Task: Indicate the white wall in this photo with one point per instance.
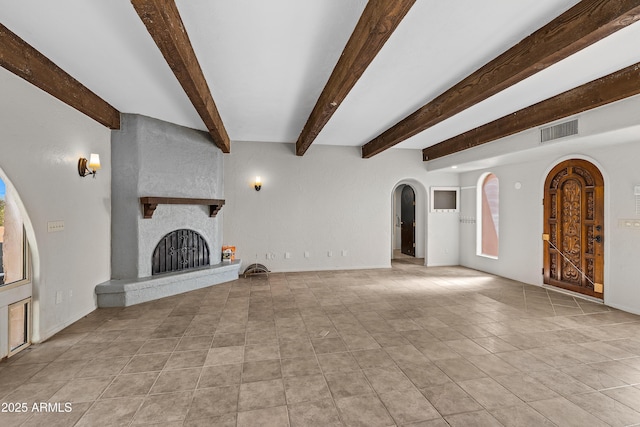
(328, 200)
(41, 140)
(617, 154)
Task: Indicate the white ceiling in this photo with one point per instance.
(266, 62)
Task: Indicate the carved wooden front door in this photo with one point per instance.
(408, 224)
(574, 228)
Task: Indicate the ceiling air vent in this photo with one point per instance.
(558, 131)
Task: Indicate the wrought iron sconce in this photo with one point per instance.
(92, 168)
(258, 183)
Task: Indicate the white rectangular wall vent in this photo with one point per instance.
(560, 130)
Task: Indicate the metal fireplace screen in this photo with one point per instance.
(180, 250)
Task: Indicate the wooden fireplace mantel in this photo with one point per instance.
(149, 204)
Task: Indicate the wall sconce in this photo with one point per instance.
(258, 184)
(94, 165)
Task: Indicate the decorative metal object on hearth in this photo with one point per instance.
(180, 250)
(254, 269)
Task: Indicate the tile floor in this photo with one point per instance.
(407, 346)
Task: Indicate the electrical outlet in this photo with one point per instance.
(330, 254)
(267, 255)
(55, 226)
(58, 297)
(306, 254)
(287, 255)
(344, 252)
(629, 223)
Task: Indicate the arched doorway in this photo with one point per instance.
(420, 249)
(408, 221)
(574, 228)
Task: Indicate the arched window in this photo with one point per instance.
(14, 273)
(488, 215)
(12, 241)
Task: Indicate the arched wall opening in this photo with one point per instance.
(420, 217)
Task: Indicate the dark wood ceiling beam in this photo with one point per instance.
(613, 87)
(378, 21)
(162, 19)
(23, 60)
(584, 24)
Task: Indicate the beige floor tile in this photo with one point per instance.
(437, 351)
(131, 385)
(146, 363)
(164, 408)
(475, 419)
(489, 393)
(226, 420)
(406, 354)
(267, 417)
(337, 362)
(186, 359)
(524, 361)
(390, 339)
(346, 384)
(376, 358)
(224, 356)
(213, 402)
(408, 406)
(520, 416)
(425, 375)
(59, 371)
(258, 352)
(328, 345)
(593, 377)
(300, 367)
(492, 365)
(459, 369)
(438, 422)
(363, 411)
(526, 387)
(261, 371)
(220, 375)
(606, 409)
(560, 382)
(630, 396)
(176, 380)
(466, 347)
(103, 367)
(30, 393)
(198, 342)
(261, 394)
(388, 379)
(450, 399)
(298, 348)
(163, 345)
(227, 340)
(320, 413)
(82, 390)
(306, 388)
(564, 413)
